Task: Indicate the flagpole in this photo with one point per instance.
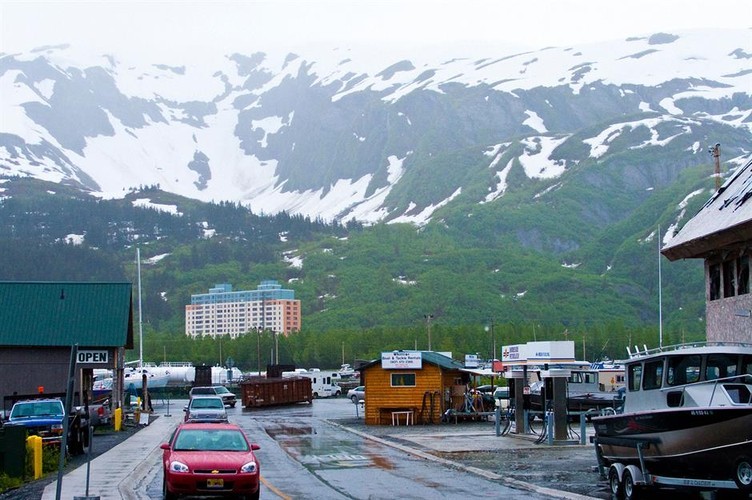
(660, 293)
(140, 319)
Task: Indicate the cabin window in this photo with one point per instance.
(653, 376)
(746, 368)
(720, 366)
(403, 380)
(742, 273)
(683, 370)
(729, 278)
(714, 281)
(635, 377)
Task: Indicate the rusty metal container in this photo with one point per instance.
(259, 391)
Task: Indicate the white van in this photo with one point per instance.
(323, 383)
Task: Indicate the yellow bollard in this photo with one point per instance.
(118, 418)
(34, 446)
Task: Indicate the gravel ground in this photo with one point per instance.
(102, 442)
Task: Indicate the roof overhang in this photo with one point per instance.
(703, 246)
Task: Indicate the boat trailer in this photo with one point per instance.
(626, 481)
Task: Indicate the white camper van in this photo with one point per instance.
(323, 383)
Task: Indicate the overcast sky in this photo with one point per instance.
(158, 27)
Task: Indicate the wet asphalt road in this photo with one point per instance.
(304, 456)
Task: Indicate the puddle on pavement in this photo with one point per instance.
(320, 450)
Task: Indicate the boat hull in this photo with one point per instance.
(691, 442)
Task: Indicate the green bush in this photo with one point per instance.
(50, 459)
(7, 482)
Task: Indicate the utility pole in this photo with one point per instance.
(428, 317)
(716, 152)
(490, 328)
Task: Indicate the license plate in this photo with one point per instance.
(215, 483)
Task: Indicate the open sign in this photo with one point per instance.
(102, 356)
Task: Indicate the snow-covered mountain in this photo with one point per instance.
(370, 134)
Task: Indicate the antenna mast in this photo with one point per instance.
(716, 152)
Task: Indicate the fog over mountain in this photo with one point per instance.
(376, 135)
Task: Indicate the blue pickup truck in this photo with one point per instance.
(44, 417)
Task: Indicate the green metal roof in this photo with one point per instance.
(55, 314)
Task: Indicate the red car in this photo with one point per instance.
(210, 459)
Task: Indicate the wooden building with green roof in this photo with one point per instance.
(41, 321)
(412, 386)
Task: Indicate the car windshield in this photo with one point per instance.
(210, 440)
(221, 390)
(207, 403)
(36, 409)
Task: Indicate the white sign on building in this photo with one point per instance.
(511, 354)
(558, 351)
(400, 360)
(535, 353)
(472, 361)
(100, 356)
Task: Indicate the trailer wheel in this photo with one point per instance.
(613, 483)
(743, 473)
(628, 486)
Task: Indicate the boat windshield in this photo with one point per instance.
(684, 369)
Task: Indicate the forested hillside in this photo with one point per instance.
(526, 270)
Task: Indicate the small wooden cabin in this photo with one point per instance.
(415, 385)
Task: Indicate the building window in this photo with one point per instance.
(729, 279)
(742, 272)
(714, 281)
(403, 380)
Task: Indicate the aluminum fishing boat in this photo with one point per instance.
(687, 416)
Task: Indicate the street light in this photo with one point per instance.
(258, 352)
(276, 348)
(490, 327)
(428, 317)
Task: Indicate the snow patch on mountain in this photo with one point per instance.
(536, 160)
(221, 129)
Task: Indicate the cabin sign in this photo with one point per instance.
(401, 360)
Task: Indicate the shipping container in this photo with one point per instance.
(260, 391)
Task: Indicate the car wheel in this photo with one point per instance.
(315, 395)
(166, 494)
(232, 405)
(354, 399)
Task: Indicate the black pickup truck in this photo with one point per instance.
(44, 417)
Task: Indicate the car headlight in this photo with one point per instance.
(249, 468)
(178, 467)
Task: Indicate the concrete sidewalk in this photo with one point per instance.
(109, 475)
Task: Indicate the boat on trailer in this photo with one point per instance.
(686, 421)
(591, 388)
